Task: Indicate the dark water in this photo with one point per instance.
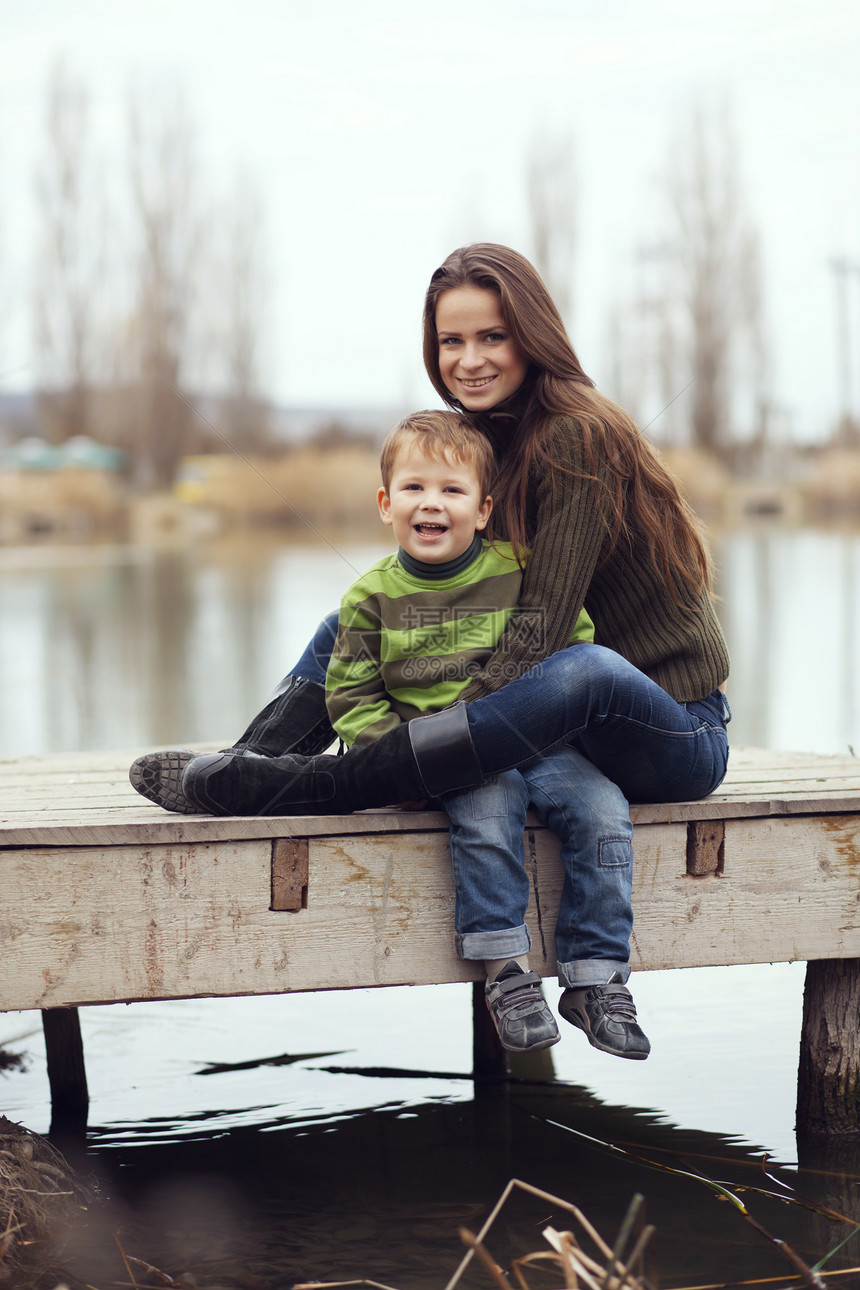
(381, 1194)
(242, 1139)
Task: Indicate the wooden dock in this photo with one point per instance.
(106, 898)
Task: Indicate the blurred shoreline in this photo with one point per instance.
(313, 488)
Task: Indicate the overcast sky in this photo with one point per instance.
(384, 134)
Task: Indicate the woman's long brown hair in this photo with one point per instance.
(633, 488)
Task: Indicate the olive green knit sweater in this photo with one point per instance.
(676, 642)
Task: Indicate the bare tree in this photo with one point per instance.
(552, 194)
(643, 359)
(160, 336)
(713, 279)
(70, 261)
(127, 336)
(758, 358)
(244, 415)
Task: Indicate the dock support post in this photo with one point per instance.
(828, 1082)
(489, 1059)
(67, 1077)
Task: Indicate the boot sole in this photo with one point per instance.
(158, 777)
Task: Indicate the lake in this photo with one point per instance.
(331, 1136)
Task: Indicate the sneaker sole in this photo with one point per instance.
(531, 1048)
(603, 1048)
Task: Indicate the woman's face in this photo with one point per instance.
(478, 360)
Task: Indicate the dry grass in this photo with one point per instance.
(702, 479)
(832, 488)
(40, 1197)
(71, 502)
(336, 486)
(313, 489)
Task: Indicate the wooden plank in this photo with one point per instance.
(137, 923)
(179, 920)
(147, 824)
(86, 800)
(788, 891)
(57, 823)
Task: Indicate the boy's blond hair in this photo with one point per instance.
(443, 435)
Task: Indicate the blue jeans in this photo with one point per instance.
(590, 816)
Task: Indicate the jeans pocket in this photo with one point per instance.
(614, 853)
(712, 711)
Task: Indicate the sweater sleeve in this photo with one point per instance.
(569, 537)
(358, 704)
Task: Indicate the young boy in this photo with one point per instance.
(411, 631)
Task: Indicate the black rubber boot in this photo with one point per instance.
(424, 758)
(295, 720)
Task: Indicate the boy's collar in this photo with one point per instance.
(436, 572)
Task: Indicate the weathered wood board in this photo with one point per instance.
(104, 897)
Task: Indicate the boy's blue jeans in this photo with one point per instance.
(590, 816)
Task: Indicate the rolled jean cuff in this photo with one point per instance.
(581, 972)
(508, 942)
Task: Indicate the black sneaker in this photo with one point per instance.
(607, 1014)
(520, 1013)
(157, 776)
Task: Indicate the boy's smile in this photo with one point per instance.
(434, 505)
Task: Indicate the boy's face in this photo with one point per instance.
(434, 505)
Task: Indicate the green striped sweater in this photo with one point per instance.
(408, 645)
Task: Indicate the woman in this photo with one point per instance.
(584, 491)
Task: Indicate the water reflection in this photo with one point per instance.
(120, 647)
(789, 610)
(128, 647)
(382, 1193)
